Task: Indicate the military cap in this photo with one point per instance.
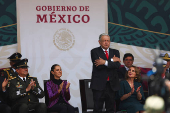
(15, 57)
(165, 56)
(21, 63)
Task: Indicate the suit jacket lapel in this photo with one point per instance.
(125, 69)
(110, 53)
(102, 53)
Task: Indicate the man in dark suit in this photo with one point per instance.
(10, 72)
(24, 91)
(4, 108)
(128, 60)
(104, 81)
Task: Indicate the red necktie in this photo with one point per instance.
(107, 56)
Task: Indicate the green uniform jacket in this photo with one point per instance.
(18, 94)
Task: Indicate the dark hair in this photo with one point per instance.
(52, 69)
(138, 74)
(128, 55)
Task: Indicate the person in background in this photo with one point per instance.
(131, 91)
(4, 107)
(166, 71)
(58, 92)
(128, 60)
(166, 65)
(10, 72)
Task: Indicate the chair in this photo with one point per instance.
(86, 95)
(47, 99)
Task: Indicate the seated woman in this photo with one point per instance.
(131, 91)
(58, 92)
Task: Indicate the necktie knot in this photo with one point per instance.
(24, 79)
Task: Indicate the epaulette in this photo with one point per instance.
(6, 69)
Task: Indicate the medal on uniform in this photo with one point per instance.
(8, 84)
(18, 85)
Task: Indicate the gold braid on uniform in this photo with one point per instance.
(9, 77)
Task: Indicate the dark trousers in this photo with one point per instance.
(62, 108)
(24, 107)
(4, 108)
(107, 95)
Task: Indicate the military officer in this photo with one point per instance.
(10, 72)
(24, 91)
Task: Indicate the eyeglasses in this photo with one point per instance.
(105, 40)
(128, 60)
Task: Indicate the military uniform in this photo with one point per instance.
(8, 73)
(19, 96)
(23, 101)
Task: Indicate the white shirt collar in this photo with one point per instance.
(22, 78)
(126, 68)
(106, 50)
